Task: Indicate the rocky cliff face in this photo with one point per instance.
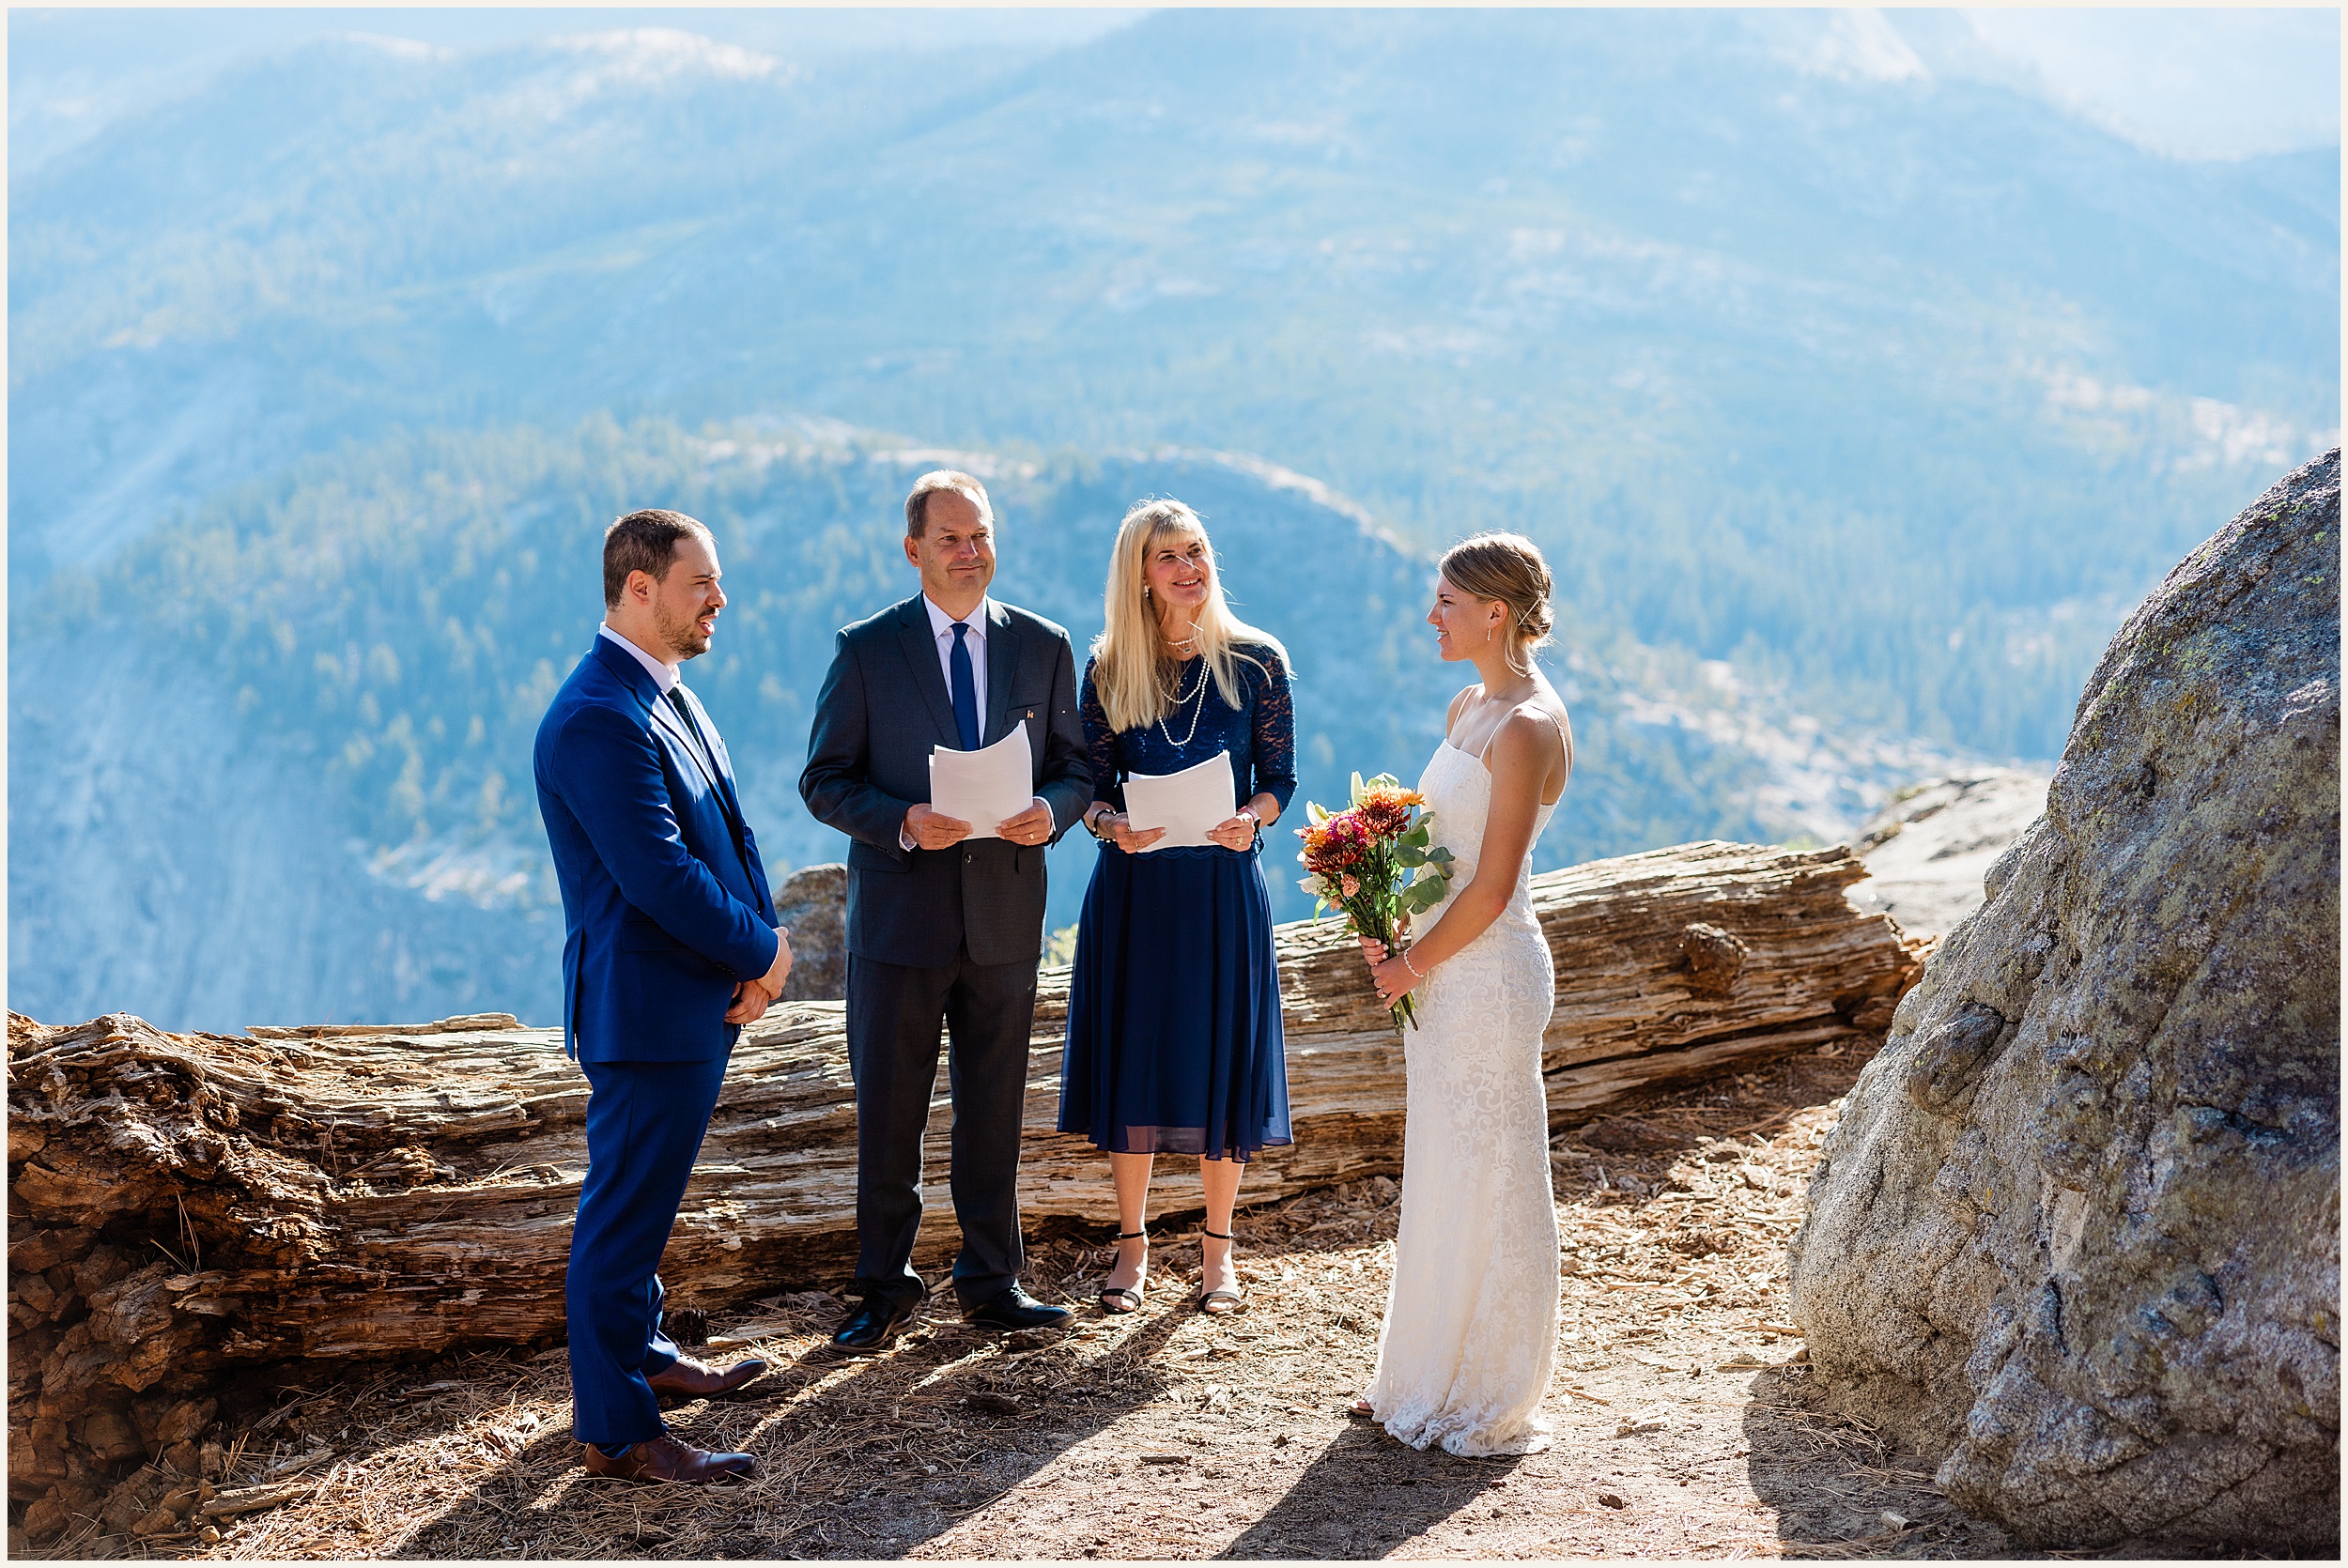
(1931, 846)
(151, 856)
(2077, 1234)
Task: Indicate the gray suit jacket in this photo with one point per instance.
(884, 704)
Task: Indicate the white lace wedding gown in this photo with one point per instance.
(1471, 1329)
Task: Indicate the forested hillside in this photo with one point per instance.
(1741, 320)
(374, 636)
(1855, 397)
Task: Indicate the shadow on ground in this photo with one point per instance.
(890, 1430)
(1366, 1496)
(1843, 1489)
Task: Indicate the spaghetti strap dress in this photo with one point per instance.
(1174, 1043)
(1470, 1334)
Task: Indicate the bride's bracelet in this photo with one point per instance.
(1405, 956)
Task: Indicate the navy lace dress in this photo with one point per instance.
(1174, 1040)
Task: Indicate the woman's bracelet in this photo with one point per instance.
(1405, 956)
(1092, 820)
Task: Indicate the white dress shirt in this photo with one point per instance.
(669, 677)
(664, 676)
(942, 628)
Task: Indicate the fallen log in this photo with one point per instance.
(182, 1204)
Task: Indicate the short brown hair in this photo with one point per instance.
(917, 503)
(642, 542)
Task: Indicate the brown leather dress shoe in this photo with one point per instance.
(688, 1378)
(666, 1459)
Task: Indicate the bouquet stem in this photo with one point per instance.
(1372, 918)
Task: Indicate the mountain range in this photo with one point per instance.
(309, 793)
(1855, 397)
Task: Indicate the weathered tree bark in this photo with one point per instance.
(184, 1204)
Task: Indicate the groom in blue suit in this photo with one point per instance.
(669, 945)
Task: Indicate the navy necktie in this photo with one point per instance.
(965, 689)
(693, 725)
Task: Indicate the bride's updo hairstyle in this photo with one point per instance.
(1508, 567)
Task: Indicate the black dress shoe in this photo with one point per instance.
(1015, 1309)
(874, 1324)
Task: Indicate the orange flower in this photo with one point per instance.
(1340, 843)
(1385, 809)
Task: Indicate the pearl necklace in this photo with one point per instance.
(1198, 691)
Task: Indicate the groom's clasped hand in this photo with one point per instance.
(751, 998)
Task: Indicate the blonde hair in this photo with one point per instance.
(918, 501)
(1134, 668)
(1510, 568)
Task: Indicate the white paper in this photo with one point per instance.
(985, 787)
(1185, 804)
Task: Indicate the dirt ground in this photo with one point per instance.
(1686, 1425)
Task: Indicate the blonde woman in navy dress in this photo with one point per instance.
(1174, 1006)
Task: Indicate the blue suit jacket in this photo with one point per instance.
(664, 905)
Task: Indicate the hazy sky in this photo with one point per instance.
(2197, 82)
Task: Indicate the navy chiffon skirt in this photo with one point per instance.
(1174, 1040)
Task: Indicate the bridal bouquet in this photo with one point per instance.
(1371, 860)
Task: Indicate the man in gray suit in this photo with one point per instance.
(944, 931)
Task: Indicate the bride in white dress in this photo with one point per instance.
(1471, 1328)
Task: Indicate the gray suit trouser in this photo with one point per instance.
(895, 1017)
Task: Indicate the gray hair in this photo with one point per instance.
(918, 502)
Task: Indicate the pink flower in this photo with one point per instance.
(1337, 843)
(1352, 886)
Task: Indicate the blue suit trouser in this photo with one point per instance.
(644, 1127)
